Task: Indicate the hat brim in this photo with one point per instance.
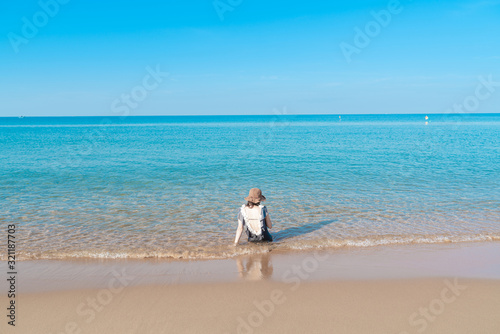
(255, 199)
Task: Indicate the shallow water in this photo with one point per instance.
(171, 186)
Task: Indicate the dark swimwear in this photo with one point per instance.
(253, 237)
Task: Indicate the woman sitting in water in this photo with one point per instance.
(254, 218)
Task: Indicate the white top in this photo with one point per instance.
(253, 219)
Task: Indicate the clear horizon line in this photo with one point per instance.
(288, 114)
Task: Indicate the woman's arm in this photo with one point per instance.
(239, 230)
(268, 222)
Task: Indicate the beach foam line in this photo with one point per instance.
(393, 240)
(229, 251)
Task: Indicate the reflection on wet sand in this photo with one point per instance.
(255, 267)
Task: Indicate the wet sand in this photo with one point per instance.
(426, 289)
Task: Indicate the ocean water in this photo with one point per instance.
(171, 187)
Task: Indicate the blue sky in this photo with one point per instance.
(92, 58)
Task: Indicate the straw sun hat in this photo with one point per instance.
(255, 196)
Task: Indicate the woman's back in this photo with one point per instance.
(253, 215)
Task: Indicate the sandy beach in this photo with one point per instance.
(388, 306)
(366, 291)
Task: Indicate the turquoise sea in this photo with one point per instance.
(135, 187)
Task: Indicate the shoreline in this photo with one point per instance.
(466, 260)
(225, 250)
(403, 290)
